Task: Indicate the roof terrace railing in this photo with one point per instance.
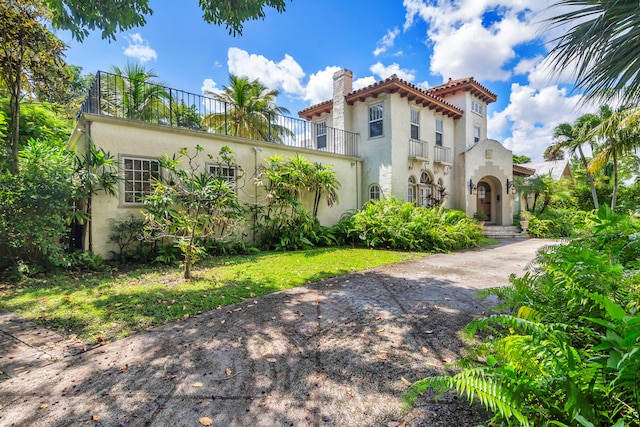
(118, 96)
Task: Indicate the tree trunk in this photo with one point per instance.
(592, 185)
(14, 105)
(614, 193)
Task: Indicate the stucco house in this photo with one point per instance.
(391, 138)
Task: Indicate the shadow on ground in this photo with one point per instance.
(333, 353)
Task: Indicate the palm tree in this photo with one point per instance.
(249, 111)
(602, 46)
(620, 134)
(132, 93)
(573, 136)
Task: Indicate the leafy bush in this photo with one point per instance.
(567, 351)
(554, 223)
(392, 223)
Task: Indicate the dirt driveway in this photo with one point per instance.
(330, 354)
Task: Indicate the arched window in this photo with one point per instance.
(426, 190)
(374, 192)
(411, 192)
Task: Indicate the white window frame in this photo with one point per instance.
(411, 190)
(426, 190)
(376, 118)
(476, 134)
(374, 192)
(476, 107)
(415, 124)
(138, 177)
(439, 132)
(226, 172)
(321, 135)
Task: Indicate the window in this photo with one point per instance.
(321, 134)
(225, 172)
(415, 124)
(375, 120)
(138, 175)
(374, 192)
(439, 132)
(426, 190)
(476, 134)
(411, 193)
(476, 107)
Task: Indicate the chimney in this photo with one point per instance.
(342, 85)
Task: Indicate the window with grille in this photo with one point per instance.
(439, 132)
(415, 124)
(476, 134)
(321, 134)
(139, 173)
(374, 192)
(411, 192)
(476, 107)
(225, 172)
(375, 120)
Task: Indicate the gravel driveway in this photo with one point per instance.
(330, 354)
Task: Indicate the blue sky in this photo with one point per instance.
(501, 43)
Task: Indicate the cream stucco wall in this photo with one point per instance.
(136, 139)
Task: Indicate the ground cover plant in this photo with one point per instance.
(565, 348)
(103, 306)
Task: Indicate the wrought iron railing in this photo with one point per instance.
(442, 154)
(117, 96)
(418, 149)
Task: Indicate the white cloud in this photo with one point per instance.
(285, 75)
(386, 42)
(139, 48)
(209, 86)
(531, 116)
(464, 44)
(385, 71)
(363, 82)
(320, 86)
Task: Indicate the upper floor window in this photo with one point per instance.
(375, 120)
(438, 132)
(476, 134)
(225, 172)
(415, 124)
(138, 176)
(476, 107)
(374, 192)
(321, 134)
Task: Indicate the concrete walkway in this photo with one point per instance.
(335, 353)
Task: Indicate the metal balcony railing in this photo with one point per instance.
(117, 96)
(418, 150)
(442, 155)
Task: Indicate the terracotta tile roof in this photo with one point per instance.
(391, 84)
(522, 171)
(468, 84)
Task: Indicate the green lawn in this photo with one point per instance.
(104, 306)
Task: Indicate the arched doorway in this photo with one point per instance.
(483, 199)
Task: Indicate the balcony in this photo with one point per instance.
(442, 155)
(116, 96)
(418, 150)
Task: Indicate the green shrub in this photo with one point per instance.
(555, 223)
(392, 223)
(567, 351)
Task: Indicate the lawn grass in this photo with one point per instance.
(105, 306)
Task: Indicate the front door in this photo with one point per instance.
(484, 199)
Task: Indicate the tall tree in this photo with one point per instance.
(133, 93)
(250, 111)
(574, 136)
(112, 16)
(620, 135)
(30, 58)
(602, 47)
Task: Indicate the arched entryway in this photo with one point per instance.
(489, 199)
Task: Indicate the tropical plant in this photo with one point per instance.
(574, 136)
(189, 205)
(620, 136)
(600, 47)
(393, 223)
(31, 57)
(250, 111)
(133, 93)
(564, 350)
